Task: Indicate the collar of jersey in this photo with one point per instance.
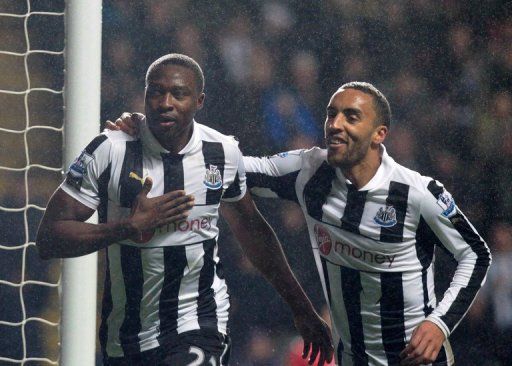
(384, 170)
(151, 144)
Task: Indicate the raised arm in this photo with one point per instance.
(263, 249)
(63, 232)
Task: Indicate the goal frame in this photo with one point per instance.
(81, 124)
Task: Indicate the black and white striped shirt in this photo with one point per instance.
(374, 250)
(173, 282)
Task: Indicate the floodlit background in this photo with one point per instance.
(270, 67)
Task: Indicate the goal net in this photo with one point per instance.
(32, 134)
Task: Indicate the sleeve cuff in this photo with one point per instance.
(440, 324)
(89, 202)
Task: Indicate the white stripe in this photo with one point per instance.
(189, 288)
(193, 176)
(221, 297)
(153, 272)
(115, 319)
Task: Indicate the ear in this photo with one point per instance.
(200, 100)
(379, 134)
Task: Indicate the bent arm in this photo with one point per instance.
(262, 248)
(470, 251)
(63, 233)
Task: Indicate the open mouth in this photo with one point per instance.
(334, 141)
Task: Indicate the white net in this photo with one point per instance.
(31, 109)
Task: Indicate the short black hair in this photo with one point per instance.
(381, 103)
(179, 60)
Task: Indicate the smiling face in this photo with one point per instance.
(352, 132)
(172, 99)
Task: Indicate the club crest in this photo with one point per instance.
(323, 239)
(386, 216)
(212, 178)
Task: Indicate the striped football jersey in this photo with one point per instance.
(374, 250)
(172, 281)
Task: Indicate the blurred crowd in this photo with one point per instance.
(270, 68)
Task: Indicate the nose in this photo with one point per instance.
(167, 102)
(335, 124)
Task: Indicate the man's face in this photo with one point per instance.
(172, 99)
(350, 128)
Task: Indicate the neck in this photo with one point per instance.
(361, 173)
(175, 142)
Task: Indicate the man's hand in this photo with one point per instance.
(426, 341)
(317, 338)
(150, 213)
(128, 123)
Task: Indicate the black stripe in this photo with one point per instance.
(213, 153)
(351, 288)
(466, 295)
(173, 172)
(78, 169)
(95, 143)
(131, 266)
(206, 306)
(435, 188)
(392, 315)
(397, 198)
(106, 307)
(103, 181)
(234, 189)
(354, 209)
(283, 186)
(425, 244)
(132, 163)
(175, 262)
(326, 279)
(317, 189)
(339, 352)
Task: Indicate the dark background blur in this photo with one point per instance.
(270, 68)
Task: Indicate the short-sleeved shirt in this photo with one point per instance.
(171, 281)
(374, 249)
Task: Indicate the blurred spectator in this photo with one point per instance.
(497, 293)
(272, 65)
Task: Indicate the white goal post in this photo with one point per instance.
(82, 115)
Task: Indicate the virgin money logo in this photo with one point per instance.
(323, 239)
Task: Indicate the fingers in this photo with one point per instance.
(148, 184)
(314, 352)
(305, 351)
(111, 126)
(170, 203)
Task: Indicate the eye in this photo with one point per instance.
(331, 113)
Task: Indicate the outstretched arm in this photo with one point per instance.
(263, 249)
(63, 232)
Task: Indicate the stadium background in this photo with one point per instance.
(270, 67)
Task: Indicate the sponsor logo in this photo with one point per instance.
(197, 224)
(364, 255)
(212, 178)
(447, 203)
(283, 155)
(323, 239)
(78, 168)
(386, 216)
(136, 177)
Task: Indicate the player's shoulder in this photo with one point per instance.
(117, 137)
(212, 135)
(419, 184)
